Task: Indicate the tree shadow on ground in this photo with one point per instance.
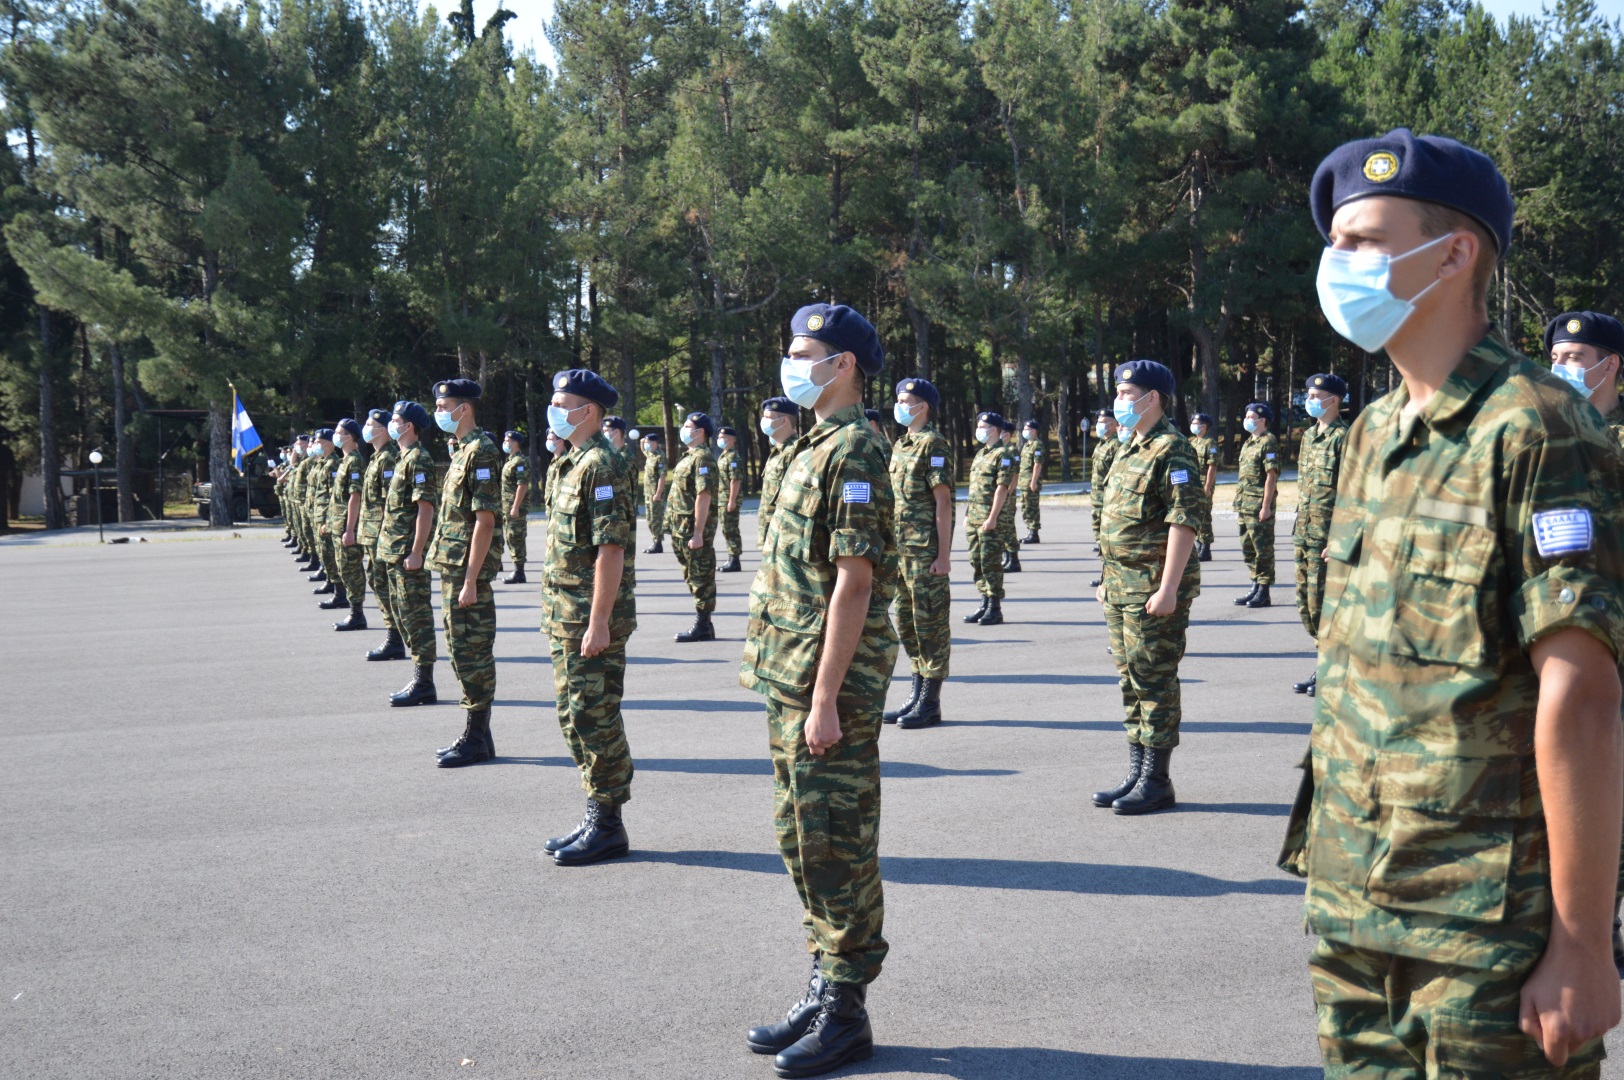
(889, 770)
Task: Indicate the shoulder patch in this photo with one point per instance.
(855, 491)
(519, 469)
(355, 476)
(1269, 457)
(389, 474)
(703, 469)
(937, 462)
(1004, 462)
(602, 492)
(485, 474)
(733, 464)
(418, 479)
(1562, 532)
(1179, 476)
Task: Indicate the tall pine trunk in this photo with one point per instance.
(50, 459)
(124, 452)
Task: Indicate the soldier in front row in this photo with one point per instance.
(1462, 821)
(1319, 464)
(821, 649)
(992, 485)
(403, 544)
(515, 503)
(922, 483)
(380, 473)
(1255, 489)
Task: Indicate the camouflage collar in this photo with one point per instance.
(1449, 405)
(598, 439)
(845, 416)
(929, 428)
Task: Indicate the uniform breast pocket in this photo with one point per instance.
(796, 525)
(1134, 497)
(1437, 599)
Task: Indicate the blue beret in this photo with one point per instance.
(1105, 414)
(352, 427)
(872, 414)
(587, 384)
(1202, 418)
(1586, 328)
(782, 405)
(516, 436)
(1261, 409)
(302, 438)
(1428, 168)
(1331, 384)
(415, 415)
(1148, 375)
(702, 422)
(923, 390)
(617, 423)
(467, 389)
(839, 327)
(1034, 425)
(324, 433)
(378, 416)
(653, 435)
(992, 419)
(725, 430)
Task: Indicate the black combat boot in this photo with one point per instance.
(975, 616)
(1306, 685)
(420, 691)
(393, 648)
(893, 715)
(1136, 761)
(356, 621)
(558, 843)
(701, 630)
(771, 1038)
(1313, 686)
(490, 743)
(340, 599)
(1206, 553)
(319, 575)
(1095, 583)
(656, 548)
(1260, 598)
(475, 745)
(995, 613)
(929, 709)
(602, 840)
(1012, 563)
(1242, 601)
(517, 577)
(1031, 537)
(732, 566)
(839, 1035)
(1153, 790)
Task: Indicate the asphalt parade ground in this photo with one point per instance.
(225, 855)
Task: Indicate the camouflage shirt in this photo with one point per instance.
(772, 475)
(1260, 455)
(348, 473)
(1205, 448)
(1105, 452)
(993, 468)
(319, 485)
(1032, 457)
(1153, 486)
(515, 471)
(592, 504)
(731, 468)
(1319, 462)
(1615, 423)
(653, 469)
(835, 502)
(295, 488)
(414, 481)
(471, 484)
(374, 489)
(919, 462)
(696, 472)
(1463, 533)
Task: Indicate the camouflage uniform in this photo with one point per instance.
(1259, 456)
(1615, 423)
(1105, 452)
(1462, 534)
(653, 470)
(835, 502)
(772, 475)
(1153, 486)
(1205, 448)
(696, 472)
(731, 467)
(318, 493)
(515, 527)
(473, 483)
(1033, 459)
(593, 505)
(919, 462)
(347, 479)
(293, 504)
(1319, 461)
(414, 481)
(993, 468)
(374, 490)
(309, 471)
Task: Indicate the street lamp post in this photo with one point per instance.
(95, 494)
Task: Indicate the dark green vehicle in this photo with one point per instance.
(255, 491)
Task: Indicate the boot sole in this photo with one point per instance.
(915, 726)
(430, 700)
(1148, 808)
(612, 853)
(346, 629)
(444, 764)
(861, 1053)
(390, 656)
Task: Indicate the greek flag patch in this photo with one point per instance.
(1562, 532)
(519, 469)
(1004, 462)
(1180, 476)
(733, 465)
(355, 476)
(703, 469)
(937, 462)
(1269, 457)
(418, 479)
(389, 474)
(607, 491)
(854, 491)
(485, 474)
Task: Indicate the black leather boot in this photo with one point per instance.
(1206, 553)
(656, 548)
(1242, 601)
(732, 566)
(975, 616)
(1313, 686)
(1154, 789)
(356, 621)
(1095, 583)
(1012, 563)
(340, 599)
(600, 841)
(839, 1035)
(1136, 761)
(907, 706)
(517, 577)
(701, 630)
(929, 709)
(475, 745)
(1306, 685)
(420, 691)
(1260, 598)
(1031, 537)
(771, 1038)
(393, 648)
(995, 613)
(490, 743)
(319, 575)
(558, 843)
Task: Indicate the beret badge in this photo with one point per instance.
(815, 323)
(1574, 325)
(1380, 167)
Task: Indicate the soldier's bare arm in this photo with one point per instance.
(420, 538)
(942, 564)
(1000, 496)
(478, 546)
(843, 628)
(702, 505)
(735, 488)
(606, 575)
(1270, 482)
(1180, 542)
(1573, 994)
(520, 494)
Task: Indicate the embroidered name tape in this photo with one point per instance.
(854, 491)
(937, 462)
(1562, 532)
(1180, 476)
(482, 474)
(418, 479)
(599, 494)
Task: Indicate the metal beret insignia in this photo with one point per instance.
(561, 382)
(1574, 326)
(440, 391)
(1380, 167)
(815, 322)
(908, 386)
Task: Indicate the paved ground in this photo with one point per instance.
(225, 856)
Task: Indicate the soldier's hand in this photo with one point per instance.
(940, 566)
(349, 537)
(695, 543)
(1099, 594)
(822, 726)
(1571, 998)
(1161, 602)
(595, 641)
(1265, 513)
(990, 526)
(414, 563)
(468, 594)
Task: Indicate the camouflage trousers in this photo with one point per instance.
(1006, 529)
(1094, 516)
(922, 616)
(730, 532)
(329, 558)
(515, 530)
(1307, 547)
(470, 637)
(986, 560)
(352, 569)
(1257, 541)
(588, 691)
(1204, 533)
(826, 811)
(311, 542)
(1396, 1018)
(378, 578)
(1147, 649)
(413, 611)
(698, 570)
(1031, 513)
(656, 516)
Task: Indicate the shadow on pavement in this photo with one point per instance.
(1203, 727)
(1046, 679)
(1024, 1062)
(889, 770)
(1092, 879)
(1255, 809)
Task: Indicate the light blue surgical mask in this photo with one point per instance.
(767, 425)
(394, 431)
(687, 436)
(1100, 430)
(558, 419)
(1124, 434)
(1195, 429)
(1315, 407)
(796, 377)
(903, 414)
(982, 434)
(1355, 296)
(1126, 413)
(1577, 377)
(445, 421)
(1250, 425)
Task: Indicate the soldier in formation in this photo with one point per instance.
(404, 534)
(1205, 446)
(730, 468)
(655, 489)
(691, 514)
(992, 484)
(318, 494)
(380, 472)
(1254, 502)
(1033, 459)
(778, 416)
(1584, 348)
(343, 525)
(1319, 464)
(515, 503)
(1106, 445)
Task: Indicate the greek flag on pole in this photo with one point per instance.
(244, 439)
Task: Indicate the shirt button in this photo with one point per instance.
(1566, 596)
